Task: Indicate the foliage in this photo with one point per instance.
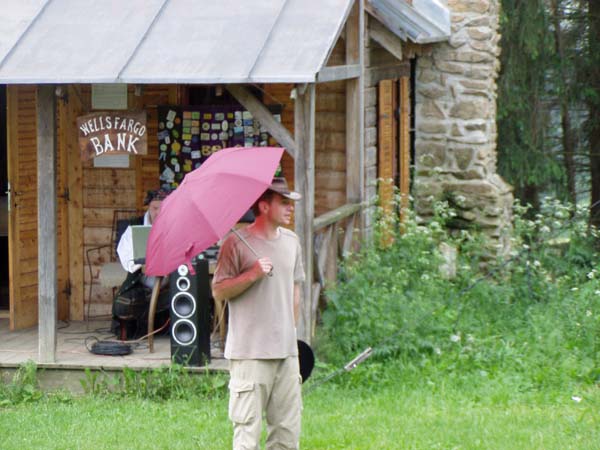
(523, 113)
(534, 317)
(23, 388)
(165, 383)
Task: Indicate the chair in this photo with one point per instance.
(111, 273)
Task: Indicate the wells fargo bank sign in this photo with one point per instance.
(112, 132)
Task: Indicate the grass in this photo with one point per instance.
(399, 412)
(503, 356)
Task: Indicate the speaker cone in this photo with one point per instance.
(183, 305)
(183, 283)
(184, 332)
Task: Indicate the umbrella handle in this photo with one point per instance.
(245, 242)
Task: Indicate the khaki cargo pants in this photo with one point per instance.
(271, 386)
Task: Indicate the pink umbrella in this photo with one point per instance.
(209, 201)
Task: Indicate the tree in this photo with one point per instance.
(523, 117)
(592, 98)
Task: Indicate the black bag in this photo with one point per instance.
(132, 299)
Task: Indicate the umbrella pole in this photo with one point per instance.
(245, 242)
(241, 238)
(152, 312)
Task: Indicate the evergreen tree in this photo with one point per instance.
(523, 116)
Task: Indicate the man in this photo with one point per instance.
(264, 304)
(132, 300)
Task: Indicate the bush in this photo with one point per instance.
(534, 316)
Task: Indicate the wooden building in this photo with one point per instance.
(340, 71)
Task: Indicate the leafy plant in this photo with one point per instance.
(22, 388)
(534, 317)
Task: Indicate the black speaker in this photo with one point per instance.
(190, 314)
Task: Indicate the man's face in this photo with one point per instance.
(279, 210)
(154, 209)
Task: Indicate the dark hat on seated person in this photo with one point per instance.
(279, 185)
(159, 194)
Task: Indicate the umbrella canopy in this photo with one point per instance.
(209, 201)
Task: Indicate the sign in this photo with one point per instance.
(109, 96)
(112, 132)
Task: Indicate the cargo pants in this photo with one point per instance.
(269, 386)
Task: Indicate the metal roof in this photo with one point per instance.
(167, 41)
(423, 21)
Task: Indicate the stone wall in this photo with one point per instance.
(455, 121)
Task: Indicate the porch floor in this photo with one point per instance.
(18, 347)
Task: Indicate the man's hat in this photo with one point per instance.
(279, 185)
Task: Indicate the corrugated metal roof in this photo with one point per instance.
(167, 41)
(423, 21)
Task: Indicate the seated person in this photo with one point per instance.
(132, 301)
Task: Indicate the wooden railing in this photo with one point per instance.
(327, 248)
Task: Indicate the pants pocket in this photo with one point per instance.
(241, 401)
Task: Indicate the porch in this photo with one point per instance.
(72, 357)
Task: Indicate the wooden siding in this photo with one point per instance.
(106, 190)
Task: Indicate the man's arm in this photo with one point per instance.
(297, 291)
(230, 288)
(125, 252)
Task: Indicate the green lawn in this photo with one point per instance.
(421, 416)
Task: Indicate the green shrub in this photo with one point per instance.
(22, 388)
(165, 383)
(534, 316)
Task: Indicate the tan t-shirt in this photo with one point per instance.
(261, 319)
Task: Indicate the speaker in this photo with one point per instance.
(190, 314)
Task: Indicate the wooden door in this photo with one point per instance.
(22, 217)
(23, 221)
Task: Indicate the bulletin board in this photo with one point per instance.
(188, 135)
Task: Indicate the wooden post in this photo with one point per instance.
(304, 176)
(47, 247)
(152, 312)
(355, 106)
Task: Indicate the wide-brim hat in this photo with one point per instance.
(279, 185)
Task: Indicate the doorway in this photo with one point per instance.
(4, 292)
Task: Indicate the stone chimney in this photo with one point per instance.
(455, 121)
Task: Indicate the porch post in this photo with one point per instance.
(304, 176)
(355, 106)
(47, 248)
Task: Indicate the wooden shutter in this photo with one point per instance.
(404, 152)
(387, 143)
(393, 165)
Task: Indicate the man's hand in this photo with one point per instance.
(232, 287)
(262, 267)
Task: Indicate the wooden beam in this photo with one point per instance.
(338, 73)
(355, 106)
(264, 116)
(47, 246)
(335, 215)
(304, 182)
(384, 37)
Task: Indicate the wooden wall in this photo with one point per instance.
(108, 190)
(330, 139)
(381, 65)
(330, 135)
(88, 197)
